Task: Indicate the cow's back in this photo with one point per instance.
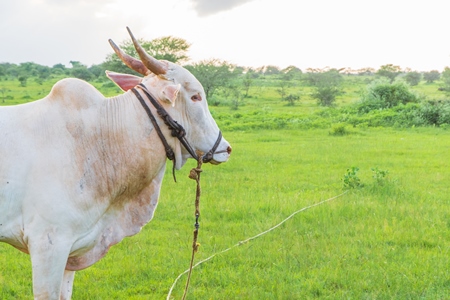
(35, 133)
(36, 148)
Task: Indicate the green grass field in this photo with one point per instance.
(388, 239)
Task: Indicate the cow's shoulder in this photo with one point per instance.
(74, 92)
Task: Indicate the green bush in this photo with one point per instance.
(435, 113)
(339, 130)
(326, 86)
(108, 84)
(351, 179)
(382, 94)
(380, 176)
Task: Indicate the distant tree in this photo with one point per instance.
(39, 80)
(254, 73)
(28, 69)
(76, 64)
(282, 89)
(260, 70)
(327, 86)
(366, 71)
(413, 78)
(445, 77)
(168, 48)
(323, 70)
(293, 72)
(11, 70)
(23, 80)
(3, 91)
(31, 69)
(59, 66)
(80, 71)
(234, 94)
(381, 94)
(236, 100)
(390, 71)
(59, 69)
(43, 73)
(213, 74)
(291, 98)
(271, 70)
(239, 70)
(247, 81)
(97, 70)
(285, 82)
(431, 76)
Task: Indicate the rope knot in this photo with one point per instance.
(196, 246)
(194, 173)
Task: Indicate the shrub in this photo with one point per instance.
(434, 113)
(351, 179)
(380, 176)
(389, 71)
(382, 94)
(339, 130)
(326, 86)
(108, 84)
(445, 77)
(431, 76)
(413, 78)
(23, 80)
(291, 98)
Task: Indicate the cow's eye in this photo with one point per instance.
(196, 97)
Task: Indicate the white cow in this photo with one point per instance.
(79, 172)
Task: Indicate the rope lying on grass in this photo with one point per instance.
(250, 239)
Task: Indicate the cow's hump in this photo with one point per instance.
(74, 93)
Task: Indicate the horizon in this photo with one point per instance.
(343, 70)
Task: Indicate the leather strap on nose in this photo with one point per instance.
(209, 155)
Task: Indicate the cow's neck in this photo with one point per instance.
(128, 148)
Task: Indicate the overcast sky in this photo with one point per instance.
(316, 34)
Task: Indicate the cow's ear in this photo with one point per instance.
(124, 81)
(170, 93)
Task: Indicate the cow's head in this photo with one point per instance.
(181, 94)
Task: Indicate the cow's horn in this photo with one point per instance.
(130, 61)
(155, 66)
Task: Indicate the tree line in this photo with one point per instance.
(222, 78)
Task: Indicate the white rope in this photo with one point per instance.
(250, 239)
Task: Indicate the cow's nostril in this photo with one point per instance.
(229, 149)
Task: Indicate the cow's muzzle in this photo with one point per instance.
(208, 157)
(221, 156)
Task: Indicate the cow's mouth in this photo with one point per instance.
(215, 162)
(221, 156)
